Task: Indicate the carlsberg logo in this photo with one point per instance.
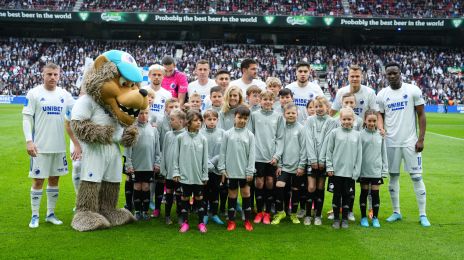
(298, 20)
(328, 20)
(111, 17)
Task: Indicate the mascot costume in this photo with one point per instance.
(102, 119)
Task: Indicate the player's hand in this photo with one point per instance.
(31, 149)
(330, 174)
(300, 172)
(130, 170)
(321, 166)
(273, 162)
(419, 146)
(382, 132)
(278, 172)
(314, 166)
(156, 169)
(205, 182)
(176, 179)
(249, 178)
(76, 155)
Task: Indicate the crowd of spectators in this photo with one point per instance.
(384, 8)
(436, 71)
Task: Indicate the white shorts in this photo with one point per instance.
(48, 165)
(101, 163)
(412, 159)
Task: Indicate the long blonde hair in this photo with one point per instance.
(225, 106)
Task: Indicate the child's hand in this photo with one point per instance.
(314, 166)
(273, 162)
(278, 172)
(176, 179)
(156, 169)
(382, 132)
(130, 170)
(249, 178)
(330, 174)
(205, 182)
(321, 166)
(299, 172)
(223, 178)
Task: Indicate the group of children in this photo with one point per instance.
(262, 145)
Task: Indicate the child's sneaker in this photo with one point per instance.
(336, 224)
(351, 216)
(152, 205)
(375, 222)
(248, 225)
(364, 222)
(307, 221)
(34, 222)
(330, 215)
(184, 227)
(146, 216)
(138, 216)
(202, 228)
(259, 217)
(394, 217)
(424, 221)
(294, 219)
(168, 221)
(217, 220)
(231, 225)
(267, 218)
(278, 217)
(345, 223)
(317, 221)
(206, 219)
(155, 213)
(301, 213)
(53, 219)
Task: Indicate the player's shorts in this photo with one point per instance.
(371, 181)
(316, 173)
(101, 163)
(143, 176)
(196, 189)
(172, 185)
(265, 169)
(46, 165)
(235, 183)
(295, 181)
(344, 185)
(159, 177)
(412, 159)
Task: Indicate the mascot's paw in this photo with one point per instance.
(88, 221)
(118, 217)
(129, 136)
(89, 132)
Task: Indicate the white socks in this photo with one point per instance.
(52, 197)
(394, 188)
(76, 174)
(36, 197)
(419, 189)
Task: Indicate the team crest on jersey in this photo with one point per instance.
(405, 96)
(361, 102)
(311, 95)
(172, 86)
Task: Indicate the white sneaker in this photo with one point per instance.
(34, 222)
(330, 216)
(301, 213)
(52, 219)
(351, 216)
(317, 221)
(307, 221)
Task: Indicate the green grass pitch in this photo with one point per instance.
(443, 174)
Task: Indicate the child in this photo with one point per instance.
(191, 168)
(215, 99)
(317, 129)
(253, 98)
(274, 85)
(194, 102)
(233, 99)
(177, 119)
(292, 167)
(310, 108)
(374, 166)
(236, 162)
(165, 125)
(152, 120)
(142, 160)
(349, 100)
(214, 136)
(151, 99)
(344, 159)
(268, 127)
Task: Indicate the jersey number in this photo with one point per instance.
(419, 161)
(65, 163)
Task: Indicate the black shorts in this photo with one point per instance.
(371, 181)
(143, 176)
(344, 185)
(233, 184)
(316, 173)
(172, 185)
(159, 177)
(264, 169)
(196, 189)
(291, 178)
(214, 181)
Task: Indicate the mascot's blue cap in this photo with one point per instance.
(126, 65)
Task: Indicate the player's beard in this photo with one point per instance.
(303, 82)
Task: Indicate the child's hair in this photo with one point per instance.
(272, 81)
(322, 101)
(290, 105)
(191, 114)
(177, 113)
(285, 92)
(151, 92)
(252, 90)
(242, 110)
(310, 103)
(210, 113)
(171, 100)
(368, 113)
(267, 94)
(347, 95)
(346, 110)
(215, 89)
(225, 105)
(195, 95)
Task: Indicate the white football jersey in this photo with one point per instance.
(303, 95)
(159, 103)
(365, 99)
(243, 86)
(202, 90)
(400, 118)
(48, 109)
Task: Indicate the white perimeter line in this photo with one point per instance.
(456, 138)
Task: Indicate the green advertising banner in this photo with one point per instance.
(236, 20)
